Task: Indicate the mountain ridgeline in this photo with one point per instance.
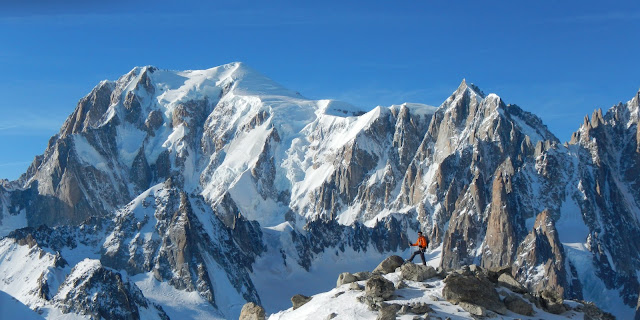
(198, 178)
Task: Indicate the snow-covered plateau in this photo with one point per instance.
(186, 194)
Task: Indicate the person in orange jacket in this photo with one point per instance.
(422, 245)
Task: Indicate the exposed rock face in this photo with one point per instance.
(389, 265)
(252, 311)
(501, 237)
(474, 289)
(475, 180)
(385, 236)
(610, 191)
(542, 253)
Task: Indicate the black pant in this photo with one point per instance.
(421, 253)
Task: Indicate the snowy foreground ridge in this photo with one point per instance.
(187, 194)
(417, 292)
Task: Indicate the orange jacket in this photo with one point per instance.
(422, 242)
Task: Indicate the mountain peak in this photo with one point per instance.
(250, 81)
(470, 87)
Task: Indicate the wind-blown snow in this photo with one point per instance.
(129, 140)
(88, 154)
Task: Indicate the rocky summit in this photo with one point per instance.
(466, 293)
(168, 194)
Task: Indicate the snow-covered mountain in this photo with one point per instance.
(201, 190)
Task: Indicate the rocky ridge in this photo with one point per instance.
(186, 176)
(470, 292)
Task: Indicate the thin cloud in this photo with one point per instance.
(7, 126)
(73, 19)
(30, 124)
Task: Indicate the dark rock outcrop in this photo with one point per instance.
(472, 288)
(518, 305)
(299, 300)
(552, 302)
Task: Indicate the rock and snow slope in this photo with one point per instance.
(196, 183)
(415, 292)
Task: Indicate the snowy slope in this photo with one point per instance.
(343, 303)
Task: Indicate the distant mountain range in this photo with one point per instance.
(173, 193)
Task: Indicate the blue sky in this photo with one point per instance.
(557, 59)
